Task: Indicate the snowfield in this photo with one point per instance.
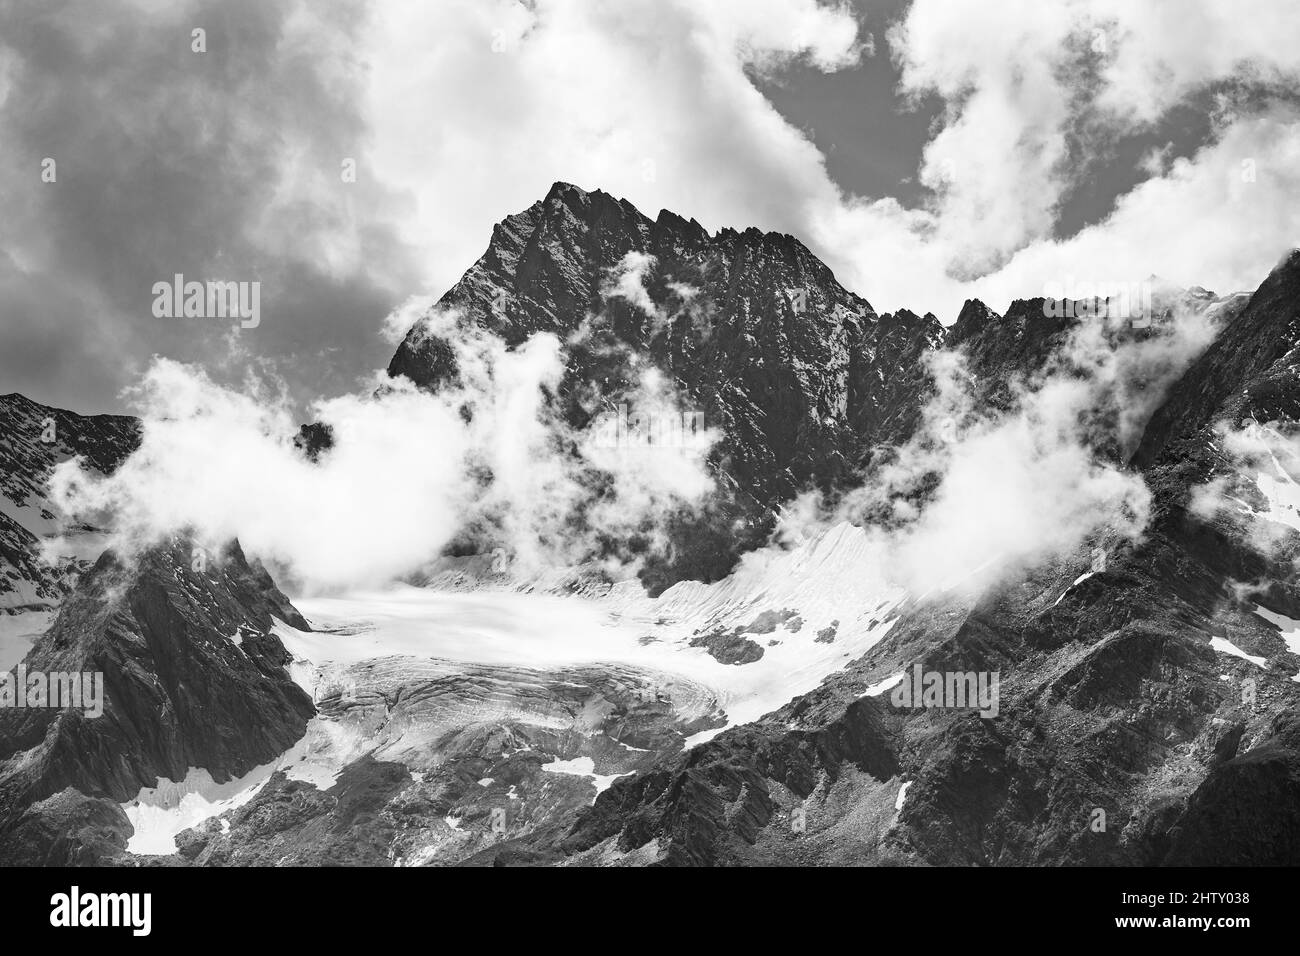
(832, 585)
(18, 632)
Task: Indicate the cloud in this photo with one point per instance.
(977, 493)
(1035, 92)
(627, 282)
(1033, 96)
(1013, 489)
(224, 164)
(649, 101)
(1216, 219)
(402, 319)
(408, 473)
(230, 164)
(1127, 377)
(456, 113)
(655, 448)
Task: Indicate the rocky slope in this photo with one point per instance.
(451, 760)
(1249, 371)
(33, 439)
(192, 677)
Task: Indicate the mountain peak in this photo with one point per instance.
(751, 326)
(561, 188)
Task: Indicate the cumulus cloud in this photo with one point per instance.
(228, 164)
(407, 474)
(1037, 92)
(225, 164)
(453, 114)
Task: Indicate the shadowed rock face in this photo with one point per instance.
(1247, 810)
(802, 377)
(67, 829)
(192, 677)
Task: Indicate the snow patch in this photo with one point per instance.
(1227, 647)
(1077, 581)
(160, 812)
(18, 632)
(584, 767)
(880, 687)
(902, 794)
(1282, 495)
(1289, 627)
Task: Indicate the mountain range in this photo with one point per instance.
(1147, 710)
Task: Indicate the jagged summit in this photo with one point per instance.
(577, 198)
(798, 373)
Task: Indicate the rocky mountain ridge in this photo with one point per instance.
(802, 377)
(1147, 699)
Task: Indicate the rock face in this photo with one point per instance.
(193, 677)
(1249, 371)
(802, 377)
(67, 829)
(1247, 811)
(1124, 735)
(33, 439)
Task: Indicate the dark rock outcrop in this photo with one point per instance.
(193, 677)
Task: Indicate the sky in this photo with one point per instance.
(350, 155)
